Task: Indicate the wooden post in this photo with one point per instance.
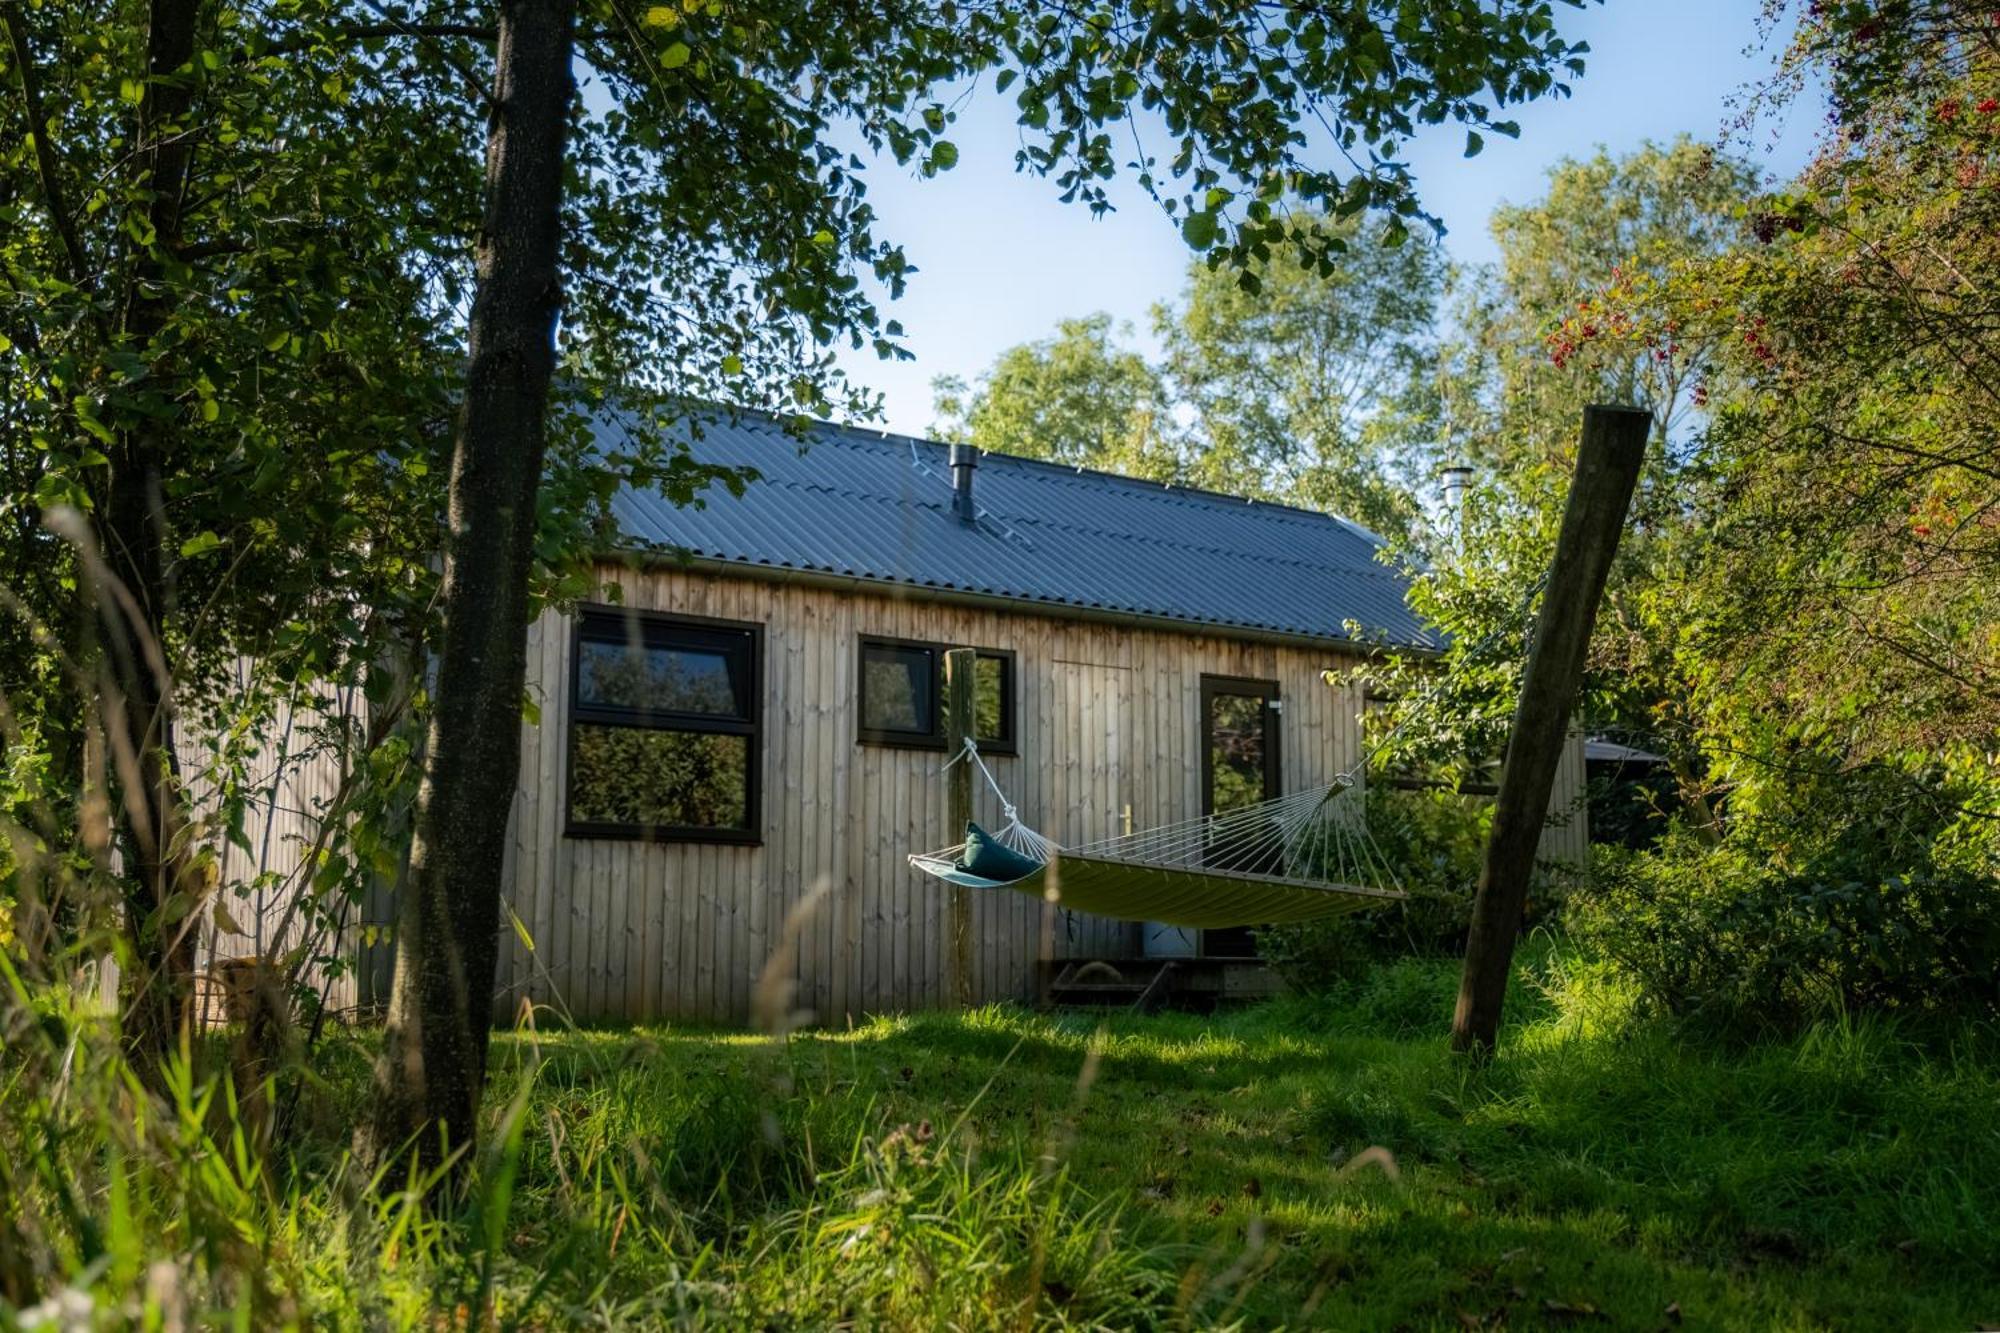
(1607, 470)
(961, 670)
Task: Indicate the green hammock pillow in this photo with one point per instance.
(988, 858)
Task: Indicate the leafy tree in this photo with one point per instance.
(1077, 398)
(1846, 583)
(1299, 381)
(216, 361)
(1545, 332)
(1281, 380)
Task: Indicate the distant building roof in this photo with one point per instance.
(1598, 750)
(861, 504)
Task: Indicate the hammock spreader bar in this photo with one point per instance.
(1173, 896)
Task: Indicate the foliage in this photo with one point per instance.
(1837, 890)
(1435, 839)
(1722, 937)
(1552, 321)
(1816, 593)
(1283, 380)
(985, 1169)
(219, 345)
(1510, 392)
(1849, 581)
(1255, 101)
(1296, 384)
(1077, 398)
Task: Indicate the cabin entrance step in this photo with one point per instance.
(1147, 985)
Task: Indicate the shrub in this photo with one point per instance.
(1434, 840)
(1727, 936)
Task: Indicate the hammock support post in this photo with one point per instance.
(1609, 456)
(961, 667)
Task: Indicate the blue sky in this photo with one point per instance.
(1002, 259)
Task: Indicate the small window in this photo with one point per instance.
(993, 704)
(899, 693)
(664, 737)
(902, 695)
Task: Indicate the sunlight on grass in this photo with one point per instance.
(1301, 1163)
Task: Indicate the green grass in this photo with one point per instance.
(1306, 1164)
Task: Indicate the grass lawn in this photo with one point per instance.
(1300, 1164)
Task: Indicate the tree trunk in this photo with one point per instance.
(1607, 470)
(1694, 795)
(160, 894)
(433, 1064)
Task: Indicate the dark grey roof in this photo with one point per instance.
(861, 504)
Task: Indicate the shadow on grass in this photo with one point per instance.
(1592, 1168)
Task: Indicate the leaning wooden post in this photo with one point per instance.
(1607, 470)
(961, 669)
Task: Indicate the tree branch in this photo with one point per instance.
(364, 32)
(45, 157)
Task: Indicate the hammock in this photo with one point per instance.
(1293, 858)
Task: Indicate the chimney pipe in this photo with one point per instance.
(964, 458)
(1457, 478)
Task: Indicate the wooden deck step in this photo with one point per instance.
(1145, 985)
(1142, 985)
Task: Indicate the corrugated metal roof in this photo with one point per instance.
(866, 505)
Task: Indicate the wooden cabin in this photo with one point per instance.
(751, 733)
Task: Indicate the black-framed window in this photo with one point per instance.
(902, 695)
(993, 700)
(901, 683)
(665, 737)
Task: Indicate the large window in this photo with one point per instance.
(902, 695)
(664, 739)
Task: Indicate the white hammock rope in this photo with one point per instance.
(1013, 833)
(1313, 837)
(1316, 838)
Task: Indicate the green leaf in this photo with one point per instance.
(675, 56)
(199, 544)
(1198, 229)
(732, 364)
(944, 154)
(1473, 143)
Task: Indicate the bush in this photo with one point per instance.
(1725, 936)
(1434, 840)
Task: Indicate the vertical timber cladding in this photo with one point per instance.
(1107, 717)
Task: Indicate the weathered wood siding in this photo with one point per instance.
(1566, 838)
(1107, 719)
(290, 785)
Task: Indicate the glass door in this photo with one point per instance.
(1240, 767)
